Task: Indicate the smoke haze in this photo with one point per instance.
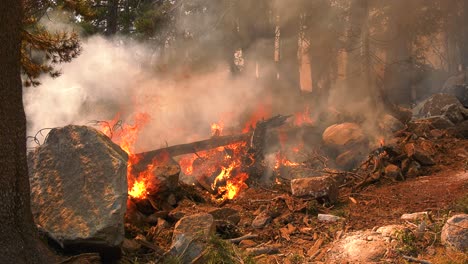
(114, 76)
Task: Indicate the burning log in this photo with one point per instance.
(146, 158)
(256, 140)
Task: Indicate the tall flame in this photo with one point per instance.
(126, 136)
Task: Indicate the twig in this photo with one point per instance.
(89, 257)
(411, 259)
(149, 245)
(239, 239)
(262, 250)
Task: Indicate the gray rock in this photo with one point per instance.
(329, 218)
(261, 220)
(390, 124)
(442, 105)
(393, 171)
(317, 187)
(455, 232)
(349, 159)
(438, 122)
(359, 247)
(414, 216)
(226, 213)
(457, 86)
(79, 187)
(190, 236)
(419, 154)
(166, 177)
(344, 136)
(130, 246)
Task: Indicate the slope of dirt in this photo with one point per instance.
(383, 205)
(300, 238)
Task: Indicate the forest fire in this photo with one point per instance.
(220, 167)
(222, 170)
(125, 136)
(304, 117)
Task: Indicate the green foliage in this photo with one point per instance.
(220, 251)
(312, 207)
(296, 259)
(461, 205)
(407, 242)
(217, 251)
(41, 49)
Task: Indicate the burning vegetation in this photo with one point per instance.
(261, 127)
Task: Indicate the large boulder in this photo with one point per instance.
(363, 246)
(457, 85)
(455, 232)
(442, 105)
(79, 187)
(344, 136)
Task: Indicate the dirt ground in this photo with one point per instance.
(298, 236)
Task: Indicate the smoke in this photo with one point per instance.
(117, 76)
(186, 84)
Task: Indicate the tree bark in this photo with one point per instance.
(19, 241)
(112, 16)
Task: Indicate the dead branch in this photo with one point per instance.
(262, 250)
(239, 239)
(83, 258)
(149, 245)
(411, 259)
(35, 137)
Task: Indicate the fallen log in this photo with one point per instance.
(145, 158)
(255, 140)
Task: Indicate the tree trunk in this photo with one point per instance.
(112, 12)
(464, 36)
(19, 241)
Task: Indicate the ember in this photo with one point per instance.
(228, 160)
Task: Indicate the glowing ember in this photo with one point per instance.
(230, 180)
(261, 112)
(298, 148)
(282, 161)
(302, 118)
(217, 129)
(382, 142)
(138, 190)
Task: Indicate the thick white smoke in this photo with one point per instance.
(116, 76)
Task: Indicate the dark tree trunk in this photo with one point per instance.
(464, 36)
(19, 242)
(112, 16)
(289, 62)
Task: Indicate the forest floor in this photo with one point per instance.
(297, 235)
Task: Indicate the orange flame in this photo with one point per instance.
(231, 180)
(261, 112)
(302, 118)
(282, 161)
(126, 138)
(217, 129)
(382, 142)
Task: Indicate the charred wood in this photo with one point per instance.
(255, 139)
